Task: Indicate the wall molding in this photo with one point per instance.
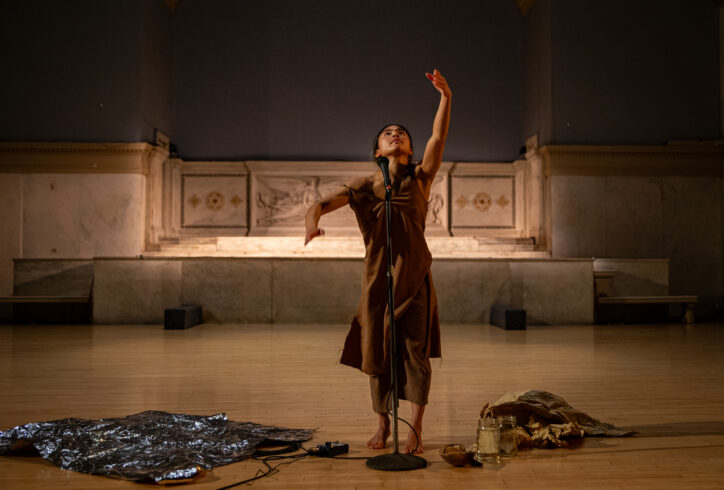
(684, 159)
(91, 158)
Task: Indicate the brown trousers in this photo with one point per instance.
(413, 363)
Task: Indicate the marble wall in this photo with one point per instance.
(82, 215)
(610, 202)
(553, 292)
(230, 290)
(11, 192)
(268, 290)
(636, 277)
(324, 291)
(75, 201)
(608, 216)
(669, 217)
(135, 291)
(694, 238)
(53, 277)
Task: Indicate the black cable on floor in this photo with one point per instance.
(334, 457)
(274, 455)
(279, 455)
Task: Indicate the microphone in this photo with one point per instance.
(384, 163)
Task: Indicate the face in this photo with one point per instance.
(394, 141)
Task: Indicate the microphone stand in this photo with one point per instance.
(394, 461)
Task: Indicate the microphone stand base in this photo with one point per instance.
(396, 462)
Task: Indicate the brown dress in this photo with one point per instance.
(416, 316)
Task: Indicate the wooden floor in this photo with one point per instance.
(666, 381)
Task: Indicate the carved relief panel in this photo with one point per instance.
(438, 206)
(281, 193)
(205, 199)
(271, 198)
(487, 199)
(213, 201)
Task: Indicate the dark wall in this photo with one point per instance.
(537, 50)
(316, 80)
(221, 79)
(156, 63)
(82, 70)
(70, 71)
(634, 72)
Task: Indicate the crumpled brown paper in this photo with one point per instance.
(548, 419)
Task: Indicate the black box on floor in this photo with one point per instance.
(182, 317)
(507, 318)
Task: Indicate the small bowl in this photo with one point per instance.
(456, 454)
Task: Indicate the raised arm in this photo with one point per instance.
(327, 204)
(432, 159)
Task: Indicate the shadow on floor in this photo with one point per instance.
(677, 429)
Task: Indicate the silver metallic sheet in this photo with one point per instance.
(149, 446)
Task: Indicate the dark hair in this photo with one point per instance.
(375, 142)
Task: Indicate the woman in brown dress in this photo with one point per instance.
(367, 344)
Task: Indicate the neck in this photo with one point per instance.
(397, 165)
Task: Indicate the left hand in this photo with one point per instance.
(439, 83)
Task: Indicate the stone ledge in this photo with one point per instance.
(340, 247)
(86, 158)
(674, 159)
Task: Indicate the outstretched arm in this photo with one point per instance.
(327, 204)
(432, 159)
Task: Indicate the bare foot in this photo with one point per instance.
(379, 440)
(412, 442)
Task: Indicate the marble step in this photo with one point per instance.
(52, 277)
(326, 246)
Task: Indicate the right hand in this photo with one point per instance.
(327, 204)
(440, 83)
(311, 233)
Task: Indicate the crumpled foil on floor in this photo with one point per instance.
(150, 446)
(548, 419)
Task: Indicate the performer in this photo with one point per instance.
(416, 315)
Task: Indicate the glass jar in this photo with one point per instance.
(488, 437)
(507, 443)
